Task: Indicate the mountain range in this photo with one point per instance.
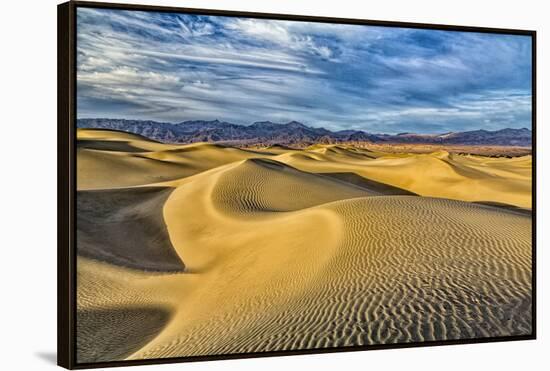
(296, 133)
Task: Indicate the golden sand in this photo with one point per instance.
(297, 249)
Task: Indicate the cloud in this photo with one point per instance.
(280, 34)
(175, 67)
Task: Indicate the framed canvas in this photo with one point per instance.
(235, 184)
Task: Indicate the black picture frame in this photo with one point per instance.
(66, 176)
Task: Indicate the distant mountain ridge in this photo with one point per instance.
(296, 133)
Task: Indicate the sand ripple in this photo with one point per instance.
(288, 249)
(392, 269)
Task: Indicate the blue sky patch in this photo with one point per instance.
(175, 67)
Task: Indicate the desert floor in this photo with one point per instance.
(202, 249)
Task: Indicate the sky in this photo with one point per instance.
(172, 67)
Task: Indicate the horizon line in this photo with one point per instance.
(298, 122)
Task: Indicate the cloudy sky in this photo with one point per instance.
(176, 67)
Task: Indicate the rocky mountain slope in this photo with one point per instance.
(292, 133)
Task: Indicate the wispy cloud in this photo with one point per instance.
(175, 67)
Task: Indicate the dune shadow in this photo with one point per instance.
(368, 184)
(123, 132)
(504, 206)
(107, 145)
(104, 335)
(126, 227)
(271, 164)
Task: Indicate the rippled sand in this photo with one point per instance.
(203, 249)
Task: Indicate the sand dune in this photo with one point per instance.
(439, 174)
(112, 225)
(271, 180)
(125, 160)
(283, 249)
